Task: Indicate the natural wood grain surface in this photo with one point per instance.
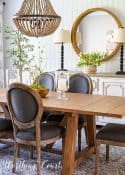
(87, 104)
(84, 104)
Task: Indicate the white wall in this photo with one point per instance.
(1, 47)
(69, 10)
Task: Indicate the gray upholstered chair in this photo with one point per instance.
(111, 134)
(80, 83)
(6, 128)
(26, 118)
(47, 79)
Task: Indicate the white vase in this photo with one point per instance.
(90, 69)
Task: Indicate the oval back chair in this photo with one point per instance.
(26, 109)
(80, 83)
(47, 79)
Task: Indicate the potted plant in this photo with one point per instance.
(22, 54)
(90, 61)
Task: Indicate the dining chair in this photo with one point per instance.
(6, 128)
(47, 79)
(26, 119)
(111, 134)
(80, 83)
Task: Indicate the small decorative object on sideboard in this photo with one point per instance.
(43, 91)
(90, 61)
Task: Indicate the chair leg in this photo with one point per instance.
(38, 147)
(63, 143)
(107, 152)
(86, 135)
(97, 160)
(16, 147)
(79, 139)
(31, 152)
(18, 154)
(49, 146)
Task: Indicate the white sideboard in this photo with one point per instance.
(108, 84)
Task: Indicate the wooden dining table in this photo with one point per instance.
(91, 105)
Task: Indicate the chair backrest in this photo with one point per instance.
(47, 79)
(80, 83)
(25, 105)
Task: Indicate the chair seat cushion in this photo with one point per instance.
(48, 131)
(45, 115)
(112, 132)
(57, 118)
(82, 118)
(5, 124)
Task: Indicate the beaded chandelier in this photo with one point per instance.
(37, 18)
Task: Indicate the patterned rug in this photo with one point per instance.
(51, 163)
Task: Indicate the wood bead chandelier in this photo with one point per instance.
(37, 18)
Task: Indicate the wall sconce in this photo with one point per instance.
(119, 37)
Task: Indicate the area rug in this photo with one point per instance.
(51, 163)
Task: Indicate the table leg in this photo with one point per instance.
(91, 130)
(70, 141)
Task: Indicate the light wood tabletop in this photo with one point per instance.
(82, 103)
(91, 105)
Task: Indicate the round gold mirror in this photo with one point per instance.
(96, 26)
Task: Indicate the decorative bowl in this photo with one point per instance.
(43, 92)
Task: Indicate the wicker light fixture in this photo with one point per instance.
(37, 18)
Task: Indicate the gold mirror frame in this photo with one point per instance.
(82, 16)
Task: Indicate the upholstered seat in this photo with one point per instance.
(5, 124)
(112, 132)
(6, 128)
(48, 131)
(59, 117)
(56, 118)
(82, 118)
(46, 114)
